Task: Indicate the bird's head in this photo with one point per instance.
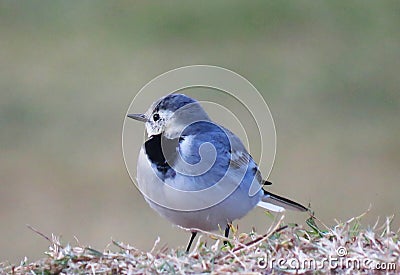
(170, 115)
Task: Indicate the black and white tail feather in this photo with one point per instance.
(276, 203)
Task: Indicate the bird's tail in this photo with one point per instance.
(277, 203)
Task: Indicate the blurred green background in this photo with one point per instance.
(329, 71)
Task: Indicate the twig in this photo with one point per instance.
(39, 233)
(256, 241)
(155, 244)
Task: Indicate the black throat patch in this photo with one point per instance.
(154, 150)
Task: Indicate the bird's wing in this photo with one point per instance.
(240, 156)
(230, 154)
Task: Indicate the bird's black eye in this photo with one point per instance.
(156, 117)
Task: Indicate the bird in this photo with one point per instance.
(196, 173)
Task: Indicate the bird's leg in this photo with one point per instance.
(227, 232)
(194, 233)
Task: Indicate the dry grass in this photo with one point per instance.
(305, 250)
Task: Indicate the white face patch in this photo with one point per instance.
(156, 127)
(172, 123)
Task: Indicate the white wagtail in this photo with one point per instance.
(196, 173)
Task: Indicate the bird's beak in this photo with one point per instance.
(140, 117)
